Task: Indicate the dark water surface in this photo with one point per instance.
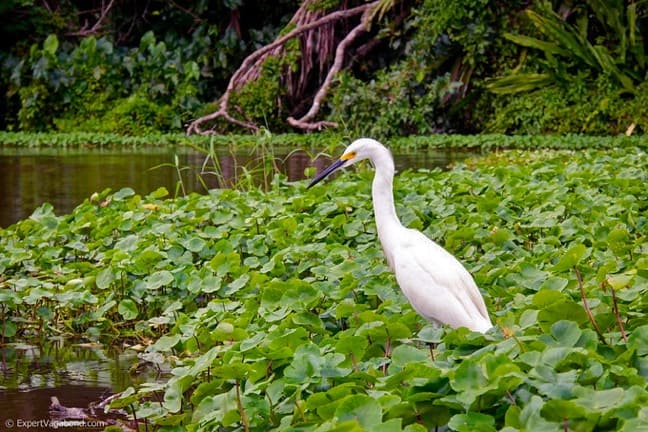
(76, 375)
(64, 178)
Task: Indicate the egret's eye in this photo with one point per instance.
(348, 156)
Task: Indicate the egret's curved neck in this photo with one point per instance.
(382, 192)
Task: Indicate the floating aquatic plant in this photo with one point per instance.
(277, 312)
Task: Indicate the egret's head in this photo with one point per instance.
(358, 150)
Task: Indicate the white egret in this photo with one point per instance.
(436, 284)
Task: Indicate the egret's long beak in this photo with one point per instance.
(334, 167)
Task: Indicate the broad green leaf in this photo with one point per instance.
(128, 309)
(559, 410)
(8, 329)
(530, 42)
(8, 296)
(160, 192)
(126, 398)
(147, 260)
(173, 396)
(237, 284)
(204, 361)
(51, 44)
(472, 422)
(166, 343)
(555, 283)
(642, 263)
(566, 333)
(224, 331)
(104, 278)
(195, 244)
(402, 355)
(159, 279)
(431, 334)
(638, 339)
(252, 342)
(364, 409)
(353, 346)
(521, 82)
(621, 280)
(123, 193)
(571, 258)
(308, 319)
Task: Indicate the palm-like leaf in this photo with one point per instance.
(381, 9)
(610, 57)
(531, 42)
(565, 36)
(521, 82)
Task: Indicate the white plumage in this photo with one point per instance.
(436, 284)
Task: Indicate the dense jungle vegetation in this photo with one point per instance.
(418, 67)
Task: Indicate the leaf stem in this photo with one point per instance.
(354, 362)
(134, 417)
(511, 397)
(244, 419)
(2, 338)
(615, 305)
(588, 311)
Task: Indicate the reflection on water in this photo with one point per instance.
(77, 376)
(64, 178)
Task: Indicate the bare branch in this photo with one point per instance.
(85, 31)
(306, 121)
(246, 72)
(334, 16)
(195, 17)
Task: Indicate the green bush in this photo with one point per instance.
(147, 88)
(257, 99)
(585, 73)
(575, 67)
(594, 109)
(134, 115)
(446, 46)
(394, 104)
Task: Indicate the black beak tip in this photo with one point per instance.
(333, 167)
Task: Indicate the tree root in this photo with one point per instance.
(251, 66)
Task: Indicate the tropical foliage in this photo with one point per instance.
(426, 66)
(96, 88)
(316, 142)
(277, 312)
(143, 68)
(618, 54)
(451, 47)
(590, 74)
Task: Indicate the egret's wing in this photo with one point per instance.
(437, 285)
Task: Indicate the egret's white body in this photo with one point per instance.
(436, 284)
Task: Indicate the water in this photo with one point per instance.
(64, 178)
(77, 375)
